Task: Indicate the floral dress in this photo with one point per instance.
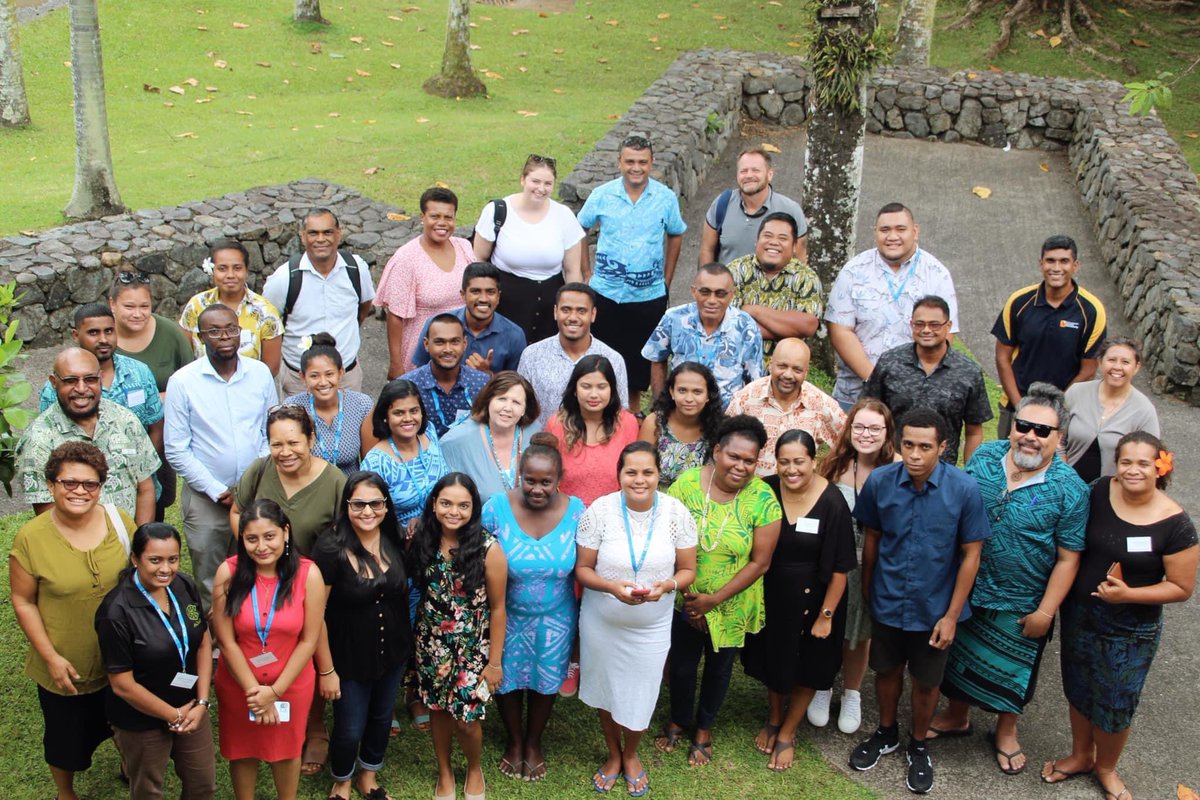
(676, 456)
(452, 642)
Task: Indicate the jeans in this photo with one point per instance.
(688, 645)
(362, 721)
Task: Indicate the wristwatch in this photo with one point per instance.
(827, 613)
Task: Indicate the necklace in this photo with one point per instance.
(508, 477)
(708, 548)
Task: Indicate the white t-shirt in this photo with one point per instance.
(530, 251)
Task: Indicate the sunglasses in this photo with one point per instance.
(534, 158)
(132, 277)
(635, 143)
(359, 506)
(1039, 430)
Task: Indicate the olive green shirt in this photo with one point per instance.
(311, 510)
(168, 350)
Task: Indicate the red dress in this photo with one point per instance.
(241, 738)
(590, 470)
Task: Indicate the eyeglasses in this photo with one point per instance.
(920, 325)
(71, 484)
(997, 512)
(636, 143)
(534, 158)
(720, 294)
(73, 380)
(221, 333)
(359, 506)
(874, 430)
(132, 277)
(1039, 430)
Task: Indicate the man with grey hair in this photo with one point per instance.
(1038, 508)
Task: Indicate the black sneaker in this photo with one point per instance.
(920, 769)
(867, 754)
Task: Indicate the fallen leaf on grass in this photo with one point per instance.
(613, 116)
(251, 97)
(334, 114)
(201, 27)
(397, 19)
(169, 104)
(520, 31)
(972, 76)
(441, 184)
(409, 9)
(982, 192)
(240, 25)
(543, 15)
(368, 122)
(522, 68)
(396, 66)
(244, 113)
(558, 51)
(1124, 12)
(664, 15)
(220, 64)
(314, 48)
(612, 22)
(474, 46)
(211, 89)
(192, 82)
(601, 60)
(484, 18)
(564, 91)
(1192, 135)
(1044, 167)
(362, 73)
(371, 170)
(493, 75)
(357, 39)
(397, 217)
(770, 148)
(186, 135)
(204, 100)
(262, 63)
(718, 17)
(525, 113)
(202, 11)
(146, 87)
(794, 44)
(653, 40)
(177, 90)
(387, 44)
(422, 120)
(1040, 32)
(1139, 42)
(774, 3)
(1055, 41)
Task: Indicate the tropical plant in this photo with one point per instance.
(14, 388)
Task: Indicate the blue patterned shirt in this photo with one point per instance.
(734, 351)
(133, 387)
(446, 409)
(630, 251)
(409, 482)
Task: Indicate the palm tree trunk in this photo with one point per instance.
(457, 78)
(95, 193)
(14, 106)
(914, 34)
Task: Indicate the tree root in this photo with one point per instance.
(1019, 11)
(969, 16)
(1071, 8)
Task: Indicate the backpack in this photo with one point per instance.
(722, 206)
(499, 215)
(296, 279)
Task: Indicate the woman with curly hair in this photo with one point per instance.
(683, 423)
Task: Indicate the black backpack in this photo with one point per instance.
(296, 279)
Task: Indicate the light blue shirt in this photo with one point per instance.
(629, 253)
(734, 351)
(215, 428)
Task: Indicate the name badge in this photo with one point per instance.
(283, 710)
(135, 397)
(184, 681)
(263, 659)
(1138, 544)
(807, 525)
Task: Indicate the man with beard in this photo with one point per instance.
(447, 385)
(731, 224)
(216, 425)
(81, 414)
(494, 342)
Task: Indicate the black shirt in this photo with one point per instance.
(133, 638)
(369, 630)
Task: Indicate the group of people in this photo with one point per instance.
(503, 520)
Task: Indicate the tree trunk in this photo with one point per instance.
(457, 78)
(95, 193)
(309, 11)
(914, 34)
(14, 106)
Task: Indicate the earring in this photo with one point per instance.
(287, 546)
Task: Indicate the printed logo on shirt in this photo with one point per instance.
(1066, 323)
(192, 613)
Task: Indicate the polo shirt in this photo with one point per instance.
(446, 408)
(502, 336)
(1050, 343)
(738, 233)
(922, 532)
(630, 251)
(133, 387)
(733, 352)
(955, 389)
(795, 287)
(814, 411)
(548, 368)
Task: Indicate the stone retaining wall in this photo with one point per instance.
(1142, 195)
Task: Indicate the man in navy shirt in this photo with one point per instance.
(448, 386)
(494, 342)
(925, 527)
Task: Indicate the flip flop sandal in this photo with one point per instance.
(951, 733)
(632, 784)
(780, 746)
(672, 737)
(1010, 769)
(772, 730)
(508, 769)
(1066, 776)
(535, 773)
(704, 749)
(607, 782)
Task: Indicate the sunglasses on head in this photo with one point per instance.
(132, 277)
(1039, 430)
(635, 143)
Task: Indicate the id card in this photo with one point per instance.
(808, 525)
(184, 681)
(263, 659)
(283, 710)
(1138, 544)
(135, 397)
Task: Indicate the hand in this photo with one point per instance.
(268, 716)
(410, 528)
(1035, 625)
(330, 686)
(492, 675)
(620, 590)
(697, 605)
(943, 633)
(822, 627)
(261, 698)
(191, 719)
(63, 674)
(225, 498)
(657, 590)
(1112, 590)
(481, 363)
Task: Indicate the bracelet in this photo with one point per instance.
(329, 671)
(1043, 613)
(494, 666)
(676, 589)
(275, 692)
(203, 702)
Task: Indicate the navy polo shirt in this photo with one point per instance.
(1050, 343)
(502, 336)
(922, 531)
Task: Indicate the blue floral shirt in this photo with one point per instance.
(734, 351)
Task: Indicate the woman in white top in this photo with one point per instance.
(636, 549)
(538, 247)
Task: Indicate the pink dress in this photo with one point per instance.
(241, 738)
(590, 471)
(415, 289)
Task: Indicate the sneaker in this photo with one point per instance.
(571, 685)
(818, 708)
(867, 754)
(850, 717)
(920, 769)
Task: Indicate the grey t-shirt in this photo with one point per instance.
(739, 232)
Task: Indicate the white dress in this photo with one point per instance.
(622, 648)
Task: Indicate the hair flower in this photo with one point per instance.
(207, 266)
(1165, 463)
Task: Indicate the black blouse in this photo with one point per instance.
(369, 631)
(832, 549)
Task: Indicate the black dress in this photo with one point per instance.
(785, 654)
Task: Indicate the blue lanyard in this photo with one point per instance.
(887, 274)
(263, 632)
(508, 477)
(634, 562)
(181, 646)
(437, 405)
(330, 456)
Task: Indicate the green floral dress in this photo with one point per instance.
(726, 537)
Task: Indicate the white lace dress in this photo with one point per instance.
(622, 648)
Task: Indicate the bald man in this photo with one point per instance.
(784, 401)
(82, 415)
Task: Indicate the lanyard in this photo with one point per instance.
(263, 631)
(403, 463)
(508, 477)
(181, 646)
(328, 455)
(635, 562)
(437, 405)
(887, 274)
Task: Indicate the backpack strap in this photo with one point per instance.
(722, 207)
(118, 524)
(499, 215)
(296, 280)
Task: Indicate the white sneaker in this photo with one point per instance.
(818, 708)
(850, 717)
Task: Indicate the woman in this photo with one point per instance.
(592, 429)
(683, 422)
(363, 659)
(535, 524)
(625, 620)
(799, 650)
(340, 415)
(866, 442)
(262, 329)
(408, 455)
(1141, 554)
(268, 608)
(460, 625)
(158, 654)
(737, 523)
(1100, 412)
(488, 446)
(537, 246)
(423, 278)
(62, 564)
(307, 488)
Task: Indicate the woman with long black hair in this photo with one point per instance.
(683, 423)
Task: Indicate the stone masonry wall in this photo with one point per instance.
(1143, 197)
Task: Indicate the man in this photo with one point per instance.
(931, 374)
(494, 342)
(1049, 331)
(872, 297)
(1039, 510)
(707, 330)
(784, 401)
(548, 364)
(776, 288)
(80, 414)
(329, 290)
(447, 385)
(216, 425)
(641, 231)
(731, 228)
(921, 511)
